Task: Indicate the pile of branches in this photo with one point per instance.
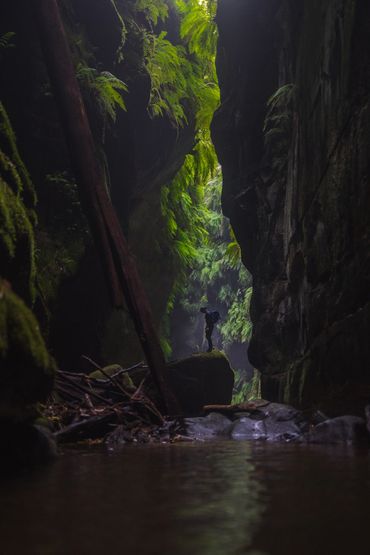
(83, 408)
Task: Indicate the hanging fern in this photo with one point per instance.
(105, 89)
(6, 40)
(120, 48)
(198, 27)
(154, 10)
(17, 216)
(166, 66)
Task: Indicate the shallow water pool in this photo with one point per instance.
(210, 498)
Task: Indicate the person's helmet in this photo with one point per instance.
(203, 309)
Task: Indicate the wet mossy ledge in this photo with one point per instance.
(26, 378)
(27, 369)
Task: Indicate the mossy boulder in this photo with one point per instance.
(26, 368)
(201, 379)
(111, 370)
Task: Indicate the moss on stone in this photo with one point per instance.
(17, 216)
(26, 368)
(17, 244)
(111, 370)
(8, 139)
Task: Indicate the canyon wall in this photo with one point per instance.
(142, 153)
(296, 189)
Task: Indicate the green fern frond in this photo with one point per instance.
(198, 28)
(278, 125)
(6, 40)
(17, 216)
(282, 95)
(104, 88)
(154, 10)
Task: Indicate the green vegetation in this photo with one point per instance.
(217, 275)
(17, 216)
(183, 76)
(26, 366)
(177, 65)
(246, 390)
(61, 237)
(197, 237)
(103, 89)
(27, 369)
(6, 41)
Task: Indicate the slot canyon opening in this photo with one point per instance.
(184, 276)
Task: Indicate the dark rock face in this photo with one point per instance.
(302, 220)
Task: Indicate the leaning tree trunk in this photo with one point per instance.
(119, 266)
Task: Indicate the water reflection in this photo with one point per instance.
(220, 500)
(183, 499)
(191, 499)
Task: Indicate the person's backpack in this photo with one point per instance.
(215, 316)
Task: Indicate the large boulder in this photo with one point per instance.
(201, 379)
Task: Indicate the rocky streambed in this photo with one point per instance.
(257, 421)
(275, 422)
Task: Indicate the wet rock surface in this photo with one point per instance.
(276, 422)
(208, 427)
(303, 234)
(342, 429)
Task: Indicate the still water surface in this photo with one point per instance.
(224, 498)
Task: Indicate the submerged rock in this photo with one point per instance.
(208, 427)
(271, 422)
(342, 429)
(263, 421)
(201, 379)
(275, 422)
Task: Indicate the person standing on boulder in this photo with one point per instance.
(211, 317)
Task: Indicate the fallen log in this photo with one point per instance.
(118, 263)
(89, 428)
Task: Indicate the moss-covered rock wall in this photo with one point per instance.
(296, 187)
